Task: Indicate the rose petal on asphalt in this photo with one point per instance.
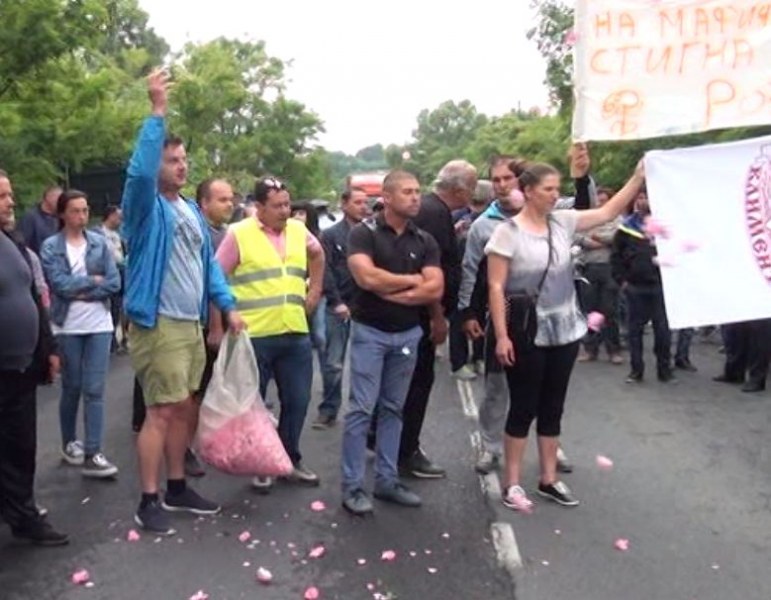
(264, 576)
(432, 570)
(427, 552)
(715, 567)
(318, 506)
(133, 535)
(446, 535)
(317, 552)
(388, 555)
(80, 577)
(89, 584)
(86, 500)
(361, 562)
(247, 564)
(291, 545)
(621, 544)
(244, 537)
(604, 463)
(371, 587)
(312, 593)
(558, 532)
(200, 595)
(545, 563)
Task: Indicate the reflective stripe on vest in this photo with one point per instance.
(269, 291)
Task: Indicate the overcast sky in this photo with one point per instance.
(367, 68)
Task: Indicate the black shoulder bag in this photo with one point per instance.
(521, 316)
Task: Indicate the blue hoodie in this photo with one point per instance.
(148, 226)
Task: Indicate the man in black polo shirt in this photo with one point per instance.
(453, 189)
(396, 268)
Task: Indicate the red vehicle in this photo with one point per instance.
(371, 183)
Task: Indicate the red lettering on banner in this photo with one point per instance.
(719, 93)
(622, 107)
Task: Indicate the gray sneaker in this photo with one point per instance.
(154, 520)
(303, 475)
(358, 503)
(398, 494)
(487, 462)
(73, 453)
(262, 484)
(98, 467)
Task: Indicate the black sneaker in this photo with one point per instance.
(358, 503)
(190, 501)
(558, 492)
(634, 377)
(324, 422)
(685, 365)
(152, 519)
(666, 376)
(563, 463)
(418, 465)
(40, 533)
(193, 466)
(398, 493)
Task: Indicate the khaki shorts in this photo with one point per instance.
(168, 359)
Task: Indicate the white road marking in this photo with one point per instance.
(506, 548)
(467, 400)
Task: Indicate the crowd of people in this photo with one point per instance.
(505, 268)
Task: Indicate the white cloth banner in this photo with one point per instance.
(646, 68)
(715, 203)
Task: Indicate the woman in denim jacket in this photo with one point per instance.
(82, 275)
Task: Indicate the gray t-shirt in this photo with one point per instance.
(182, 289)
(559, 319)
(18, 312)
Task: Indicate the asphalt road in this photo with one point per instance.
(690, 489)
(443, 550)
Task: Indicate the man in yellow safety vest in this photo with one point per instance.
(276, 269)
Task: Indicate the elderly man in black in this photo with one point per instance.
(27, 358)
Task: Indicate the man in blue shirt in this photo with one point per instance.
(171, 277)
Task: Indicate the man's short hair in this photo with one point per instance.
(4, 174)
(172, 141)
(456, 175)
(264, 186)
(203, 190)
(394, 177)
(348, 193)
(499, 159)
(109, 211)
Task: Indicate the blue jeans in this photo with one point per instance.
(288, 359)
(85, 361)
(318, 329)
(338, 332)
(382, 364)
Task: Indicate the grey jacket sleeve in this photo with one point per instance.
(475, 252)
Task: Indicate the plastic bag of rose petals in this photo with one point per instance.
(235, 432)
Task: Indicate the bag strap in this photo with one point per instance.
(548, 262)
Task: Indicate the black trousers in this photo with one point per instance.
(414, 412)
(747, 349)
(602, 297)
(18, 444)
(538, 383)
(459, 345)
(648, 305)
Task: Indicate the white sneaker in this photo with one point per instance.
(487, 462)
(99, 467)
(73, 453)
(262, 484)
(515, 498)
(465, 373)
(479, 367)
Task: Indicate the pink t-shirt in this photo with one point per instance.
(229, 257)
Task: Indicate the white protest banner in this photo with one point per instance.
(646, 68)
(715, 203)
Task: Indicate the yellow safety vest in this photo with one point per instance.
(270, 292)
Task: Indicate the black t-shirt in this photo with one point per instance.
(435, 218)
(405, 254)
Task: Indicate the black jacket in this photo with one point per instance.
(46, 342)
(632, 255)
(339, 287)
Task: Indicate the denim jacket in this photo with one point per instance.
(65, 286)
(148, 226)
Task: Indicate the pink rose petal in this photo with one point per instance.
(244, 537)
(595, 320)
(388, 555)
(312, 593)
(432, 570)
(361, 562)
(371, 587)
(621, 544)
(446, 535)
(318, 506)
(264, 576)
(413, 554)
(89, 584)
(317, 552)
(200, 595)
(689, 246)
(133, 535)
(80, 577)
(604, 463)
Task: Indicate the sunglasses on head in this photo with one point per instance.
(273, 183)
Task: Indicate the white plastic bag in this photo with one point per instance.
(235, 431)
